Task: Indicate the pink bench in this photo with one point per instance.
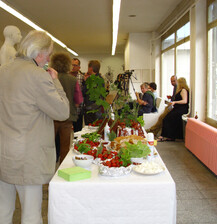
(201, 140)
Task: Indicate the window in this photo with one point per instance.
(212, 62)
(183, 61)
(175, 54)
(212, 12)
(168, 41)
(183, 32)
(167, 72)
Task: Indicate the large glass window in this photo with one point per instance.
(175, 56)
(183, 61)
(168, 41)
(212, 62)
(167, 72)
(212, 12)
(183, 32)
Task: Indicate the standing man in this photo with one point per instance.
(158, 126)
(93, 69)
(78, 125)
(30, 99)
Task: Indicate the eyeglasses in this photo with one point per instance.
(74, 65)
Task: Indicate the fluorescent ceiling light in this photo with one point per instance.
(116, 14)
(33, 25)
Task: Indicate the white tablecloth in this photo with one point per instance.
(131, 199)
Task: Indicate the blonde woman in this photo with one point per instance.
(172, 123)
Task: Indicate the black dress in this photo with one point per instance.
(172, 123)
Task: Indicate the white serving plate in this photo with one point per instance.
(149, 168)
(93, 128)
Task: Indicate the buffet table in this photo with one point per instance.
(134, 198)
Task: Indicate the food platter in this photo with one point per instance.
(114, 171)
(149, 168)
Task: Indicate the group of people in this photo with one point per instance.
(147, 100)
(170, 121)
(74, 84)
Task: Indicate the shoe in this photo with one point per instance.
(169, 140)
(161, 139)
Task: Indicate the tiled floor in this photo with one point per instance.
(196, 186)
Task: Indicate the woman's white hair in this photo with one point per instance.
(34, 43)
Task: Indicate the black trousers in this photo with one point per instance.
(78, 125)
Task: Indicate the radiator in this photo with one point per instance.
(201, 140)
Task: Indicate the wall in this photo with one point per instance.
(138, 51)
(114, 63)
(127, 56)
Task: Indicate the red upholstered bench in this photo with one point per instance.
(201, 140)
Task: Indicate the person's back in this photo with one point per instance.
(7, 52)
(89, 104)
(30, 99)
(61, 62)
(68, 82)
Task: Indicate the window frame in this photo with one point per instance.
(182, 22)
(210, 26)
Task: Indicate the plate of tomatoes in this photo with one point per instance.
(114, 167)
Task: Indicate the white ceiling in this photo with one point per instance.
(85, 26)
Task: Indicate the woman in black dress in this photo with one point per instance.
(172, 123)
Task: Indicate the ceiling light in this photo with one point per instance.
(33, 25)
(116, 14)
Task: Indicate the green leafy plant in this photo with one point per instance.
(97, 91)
(99, 150)
(133, 151)
(141, 121)
(94, 137)
(112, 135)
(121, 105)
(83, 147)
(126, 110)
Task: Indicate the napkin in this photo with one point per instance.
(74, 173)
